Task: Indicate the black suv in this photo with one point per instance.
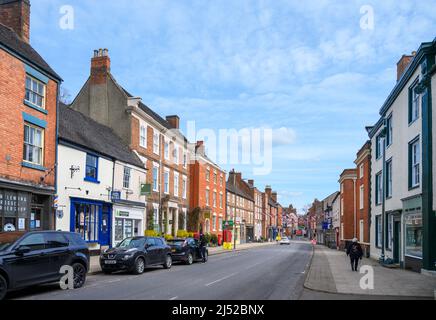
(134, 254)
(33, 258)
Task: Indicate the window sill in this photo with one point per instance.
(35, 107)
(91, 180)
(33, 166)
(413, 188)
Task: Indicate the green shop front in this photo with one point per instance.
(413, 233)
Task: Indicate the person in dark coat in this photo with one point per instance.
(202, 246)
(355, 253)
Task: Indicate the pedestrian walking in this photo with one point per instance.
(355, 252)
(203, 247)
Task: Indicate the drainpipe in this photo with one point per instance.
(355, 208)
(383, 136)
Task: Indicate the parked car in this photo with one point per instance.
(186, 250)
(135, 254)
(285, 240)
(33, 258)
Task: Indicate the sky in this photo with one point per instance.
(314, 72)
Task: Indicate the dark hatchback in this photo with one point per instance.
(135, 254)
(186, 250)
(33, 258)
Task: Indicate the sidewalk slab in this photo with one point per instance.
(331, 272)
(95, 268)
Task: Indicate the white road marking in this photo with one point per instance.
(173, 298)
(222, 279)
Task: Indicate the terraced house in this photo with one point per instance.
(28, 125)
(157, 142)
(403, 228)
(208, 193)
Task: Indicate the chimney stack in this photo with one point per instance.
(251, 183)
(274, 196)
(100, 66)
(403, 64)
(15, 14)
(174, 121)
(268, 191)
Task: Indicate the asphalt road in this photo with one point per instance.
(265, 273)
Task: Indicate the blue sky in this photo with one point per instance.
(303, 68)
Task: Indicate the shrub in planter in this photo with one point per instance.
(182, 234)
(207, 238)
(168, 237)
(214, 239)
(151, 233)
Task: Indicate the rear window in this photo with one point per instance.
(176, 242)
(76, 240)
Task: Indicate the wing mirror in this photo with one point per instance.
(22, 250)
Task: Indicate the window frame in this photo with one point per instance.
(389, 179)
(143, 136)
(44, 93)
(415, 165)
(378, 188)
(42, 147)
(97, 160)
(127, 173)
(412, 100)
(389, 131)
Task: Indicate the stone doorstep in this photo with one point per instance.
(95, 264)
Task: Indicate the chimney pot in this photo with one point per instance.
(100, 67)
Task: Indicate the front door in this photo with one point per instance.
(105, 223)
(396, 244)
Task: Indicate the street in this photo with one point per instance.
(269, 273)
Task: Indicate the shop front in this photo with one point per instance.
(128, 222)
(413, 233)
(23, 210)
(92, 220)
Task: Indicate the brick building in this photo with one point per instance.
(270, 210)
(363, 201)
(158, 142)
(240, 205)
(348, 185)
(208, 192)
(28, 125)
(257, 195)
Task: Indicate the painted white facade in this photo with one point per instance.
(398, 151)
(73, 185)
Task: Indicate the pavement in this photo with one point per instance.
(94, 266)
(265, 272)
(330, 273)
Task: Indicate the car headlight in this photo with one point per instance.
(127, 256)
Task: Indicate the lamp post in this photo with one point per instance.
(383, 136)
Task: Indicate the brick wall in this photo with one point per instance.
(12, 92)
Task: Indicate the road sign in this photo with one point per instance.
(56, 201)
(228, 224)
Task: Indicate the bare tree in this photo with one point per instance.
(64, 96)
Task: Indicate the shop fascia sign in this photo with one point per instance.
(123, 214)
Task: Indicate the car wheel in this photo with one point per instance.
(168, 262)
(79, 275)
(139, 266)
(190, 259)
(3, 288)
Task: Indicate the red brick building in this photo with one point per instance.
(208, 192)
(348, 183)
(157, 141)
(28, 125)
(363, 201)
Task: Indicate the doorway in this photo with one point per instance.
(396, 242)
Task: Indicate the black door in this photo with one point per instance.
(32, 267)
(57, 248)
(396, 244)
(152, 251)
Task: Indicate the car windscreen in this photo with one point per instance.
(131, 243)
(9, 238)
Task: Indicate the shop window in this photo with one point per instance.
(35, 218)
(119, 227)
(414, 235)
(86, 221)
(378, 231)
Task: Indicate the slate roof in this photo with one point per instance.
(11, 41)
(80, 130)
(235, 190)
